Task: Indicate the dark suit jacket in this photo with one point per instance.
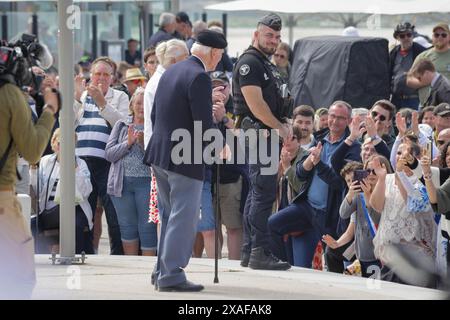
(160, 36)
(182, 97)
(440, 92)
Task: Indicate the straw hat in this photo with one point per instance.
(133, 74)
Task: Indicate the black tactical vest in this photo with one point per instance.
(274, 89)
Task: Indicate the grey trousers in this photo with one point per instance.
(179, 208)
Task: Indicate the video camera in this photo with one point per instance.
(19, 56)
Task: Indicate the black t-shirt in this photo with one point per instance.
(250, 71)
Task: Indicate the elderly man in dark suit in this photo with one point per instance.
(184, 96)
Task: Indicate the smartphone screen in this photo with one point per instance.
(360, 175)
(430, 150)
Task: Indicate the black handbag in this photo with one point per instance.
(49, 218)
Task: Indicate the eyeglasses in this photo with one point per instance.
(282, 56)
(151, 62)
(408, 35)
(437, 35)
(440, 142)
(375, 114)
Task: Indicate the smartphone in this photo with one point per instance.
(430, 150)
(408, 123)
(360, 175)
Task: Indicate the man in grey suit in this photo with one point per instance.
(185, 91)
(425, 72)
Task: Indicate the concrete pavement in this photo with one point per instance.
(128, 277)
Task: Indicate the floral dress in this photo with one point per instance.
(398, 225)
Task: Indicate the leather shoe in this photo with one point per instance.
(153, 278)
(245, 257)
(262, 260)
(186, 286)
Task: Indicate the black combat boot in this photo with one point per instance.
(262, 260)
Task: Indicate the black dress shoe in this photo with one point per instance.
(245, 257)
(262, 260)
(153, 278)
(186, 286)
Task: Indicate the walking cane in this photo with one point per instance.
(218, 216)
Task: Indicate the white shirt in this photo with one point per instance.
(149, 98)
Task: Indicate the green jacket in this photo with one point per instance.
(16, 123)
(295, 183)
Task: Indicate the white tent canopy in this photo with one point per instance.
(389, 7)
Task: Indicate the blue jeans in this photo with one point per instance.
(132, 212)
(299, 217)
(99, 169)
(207, 220)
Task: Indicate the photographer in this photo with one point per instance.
(18, 134)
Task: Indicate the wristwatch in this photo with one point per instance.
(375, 138)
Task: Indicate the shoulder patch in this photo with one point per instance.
(244, 69)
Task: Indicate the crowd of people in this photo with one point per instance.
(352, 180)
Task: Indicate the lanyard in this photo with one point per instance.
(372, 226)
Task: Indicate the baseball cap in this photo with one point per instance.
(442, 109)
(442, 26)
(219, 76)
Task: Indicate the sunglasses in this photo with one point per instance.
(137, 82)
(375, 114)
(282, 56)
(437, 35)
(440, 142)
(407, 35)
(371, 171)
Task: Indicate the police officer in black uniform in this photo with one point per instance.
(259, 97)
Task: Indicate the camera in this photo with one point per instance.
(19, 56)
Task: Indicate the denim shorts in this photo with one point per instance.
(207, 221)
(132, 212)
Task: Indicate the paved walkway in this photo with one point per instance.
(121, 277)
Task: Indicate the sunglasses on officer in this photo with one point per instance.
(403, 35)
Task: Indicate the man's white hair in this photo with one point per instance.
(166, 18)
(197, 27)
(200, 48)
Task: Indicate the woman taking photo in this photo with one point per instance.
(404, 219)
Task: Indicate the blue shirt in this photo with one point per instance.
(318, 190)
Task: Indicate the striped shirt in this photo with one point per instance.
(93, 131)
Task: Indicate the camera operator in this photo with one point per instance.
(18, 134)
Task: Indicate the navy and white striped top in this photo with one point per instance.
(93, 131)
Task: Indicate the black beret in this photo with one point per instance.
(271, 20)
(212, 39)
